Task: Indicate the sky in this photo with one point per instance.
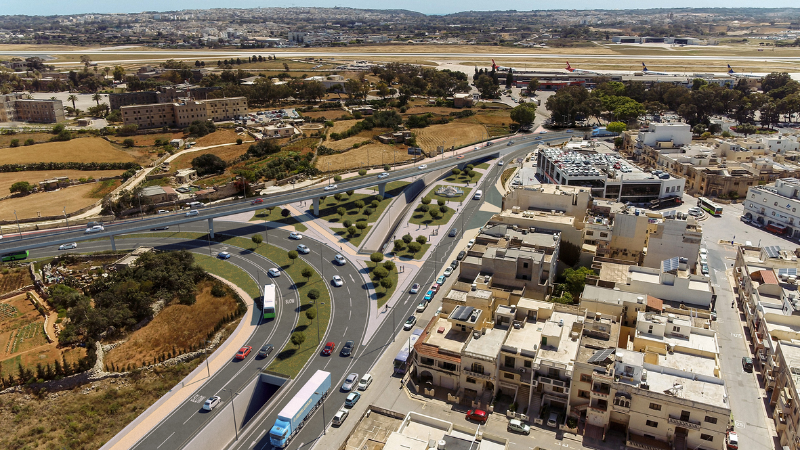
(61, 7)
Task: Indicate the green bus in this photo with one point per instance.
(269, 301)
(15, 256)
(711, 207)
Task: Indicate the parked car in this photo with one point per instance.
(461, 255)
(331, 187)
(364, 383)
(383, 175)
(340, 417)
(94, 229)
(422, 305)
(470, 243)
(552, 421)
(340, 259)
(302, 248)
(732, 440)
(329, 347)
(477, 415)
(440, 280)
(454, 264)
(410, 323)
(453, 232)
(223, 255)
(212, 402)
(352, 399)
(434, 288)
(438, 311)
(414, 288)
(747, 363)
(517, 426)
(265, 351)
(429, 296)
(295, 235)
(257, 201)
(350, 382)
(337, 281)
(243, 352)
(745, 219)
(68, 246)
(274, 272)
(448, 271)
(347, 349)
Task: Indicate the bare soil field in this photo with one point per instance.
(177, 327)
(5, 139)
(21, 330)
(227, 153)
(330, 114)
(368, 154)
(222, 136)
(77, 150)
(34, 177)
(452, 134)
(15, 278)
(48, 203)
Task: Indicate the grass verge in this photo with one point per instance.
(355, 239)
(424, 218)
(383, 295)
(406, 254)
(229, 272)
(275, 216)
(482, 166)
(434, 197)
(463, 178)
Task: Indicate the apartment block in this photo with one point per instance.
(784, 396)
(681, 238)
(184, 113)
(569, 200)
(514, 258)
(775, 204)
(15, 108)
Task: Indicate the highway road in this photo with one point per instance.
(14, 243)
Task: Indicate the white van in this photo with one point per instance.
(193, 205)
(478, 195)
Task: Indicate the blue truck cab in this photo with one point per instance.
(300, 408)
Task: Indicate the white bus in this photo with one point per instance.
(269, 301)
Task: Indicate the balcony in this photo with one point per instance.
(599, 406)
(481, 375)
(601, 390)
(689, 424)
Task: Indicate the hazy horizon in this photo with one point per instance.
(52, 7)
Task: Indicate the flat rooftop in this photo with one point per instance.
(611, 296)
(567, 350)
(615, 273)
(695, 341)
(449, 339)
(791, 355)
(686, 387)
(688, 363)
(487, 345)
(525, 338)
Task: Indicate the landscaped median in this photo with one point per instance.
(294, 356)
(384, 277)
(276, 215)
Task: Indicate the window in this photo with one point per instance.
(651, 423)
(478, 368)
(586, 378)
(449, 366)
(707, 437)
(590, 233)
(558, 389)
(471, 380)
(552, 372)
(510, 376)
(650, 329)
(655, 406)
(710, 419)
(603, 234)
(583, 394)
(676, 329)
(427, 361)
(528, 363)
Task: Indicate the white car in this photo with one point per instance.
(302, 248)
(383, 175)
(331, 187)
(415, 288)
(448, 271)
(366, 380)
(340, 417)
(422, 305)
(337, 281)
(193, 212)
(94, 229)
(274, 272)
(423, 167)
(499, 163)
(470, 243)
(295, 235)
(340, 259)
(68, 246)
(212, 402)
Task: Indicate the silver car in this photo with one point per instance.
(350, 382)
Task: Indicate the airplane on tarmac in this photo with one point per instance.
(575, 70)
(741, 75)
(497, 68)
(646, 71)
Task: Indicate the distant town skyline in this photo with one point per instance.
(53, 7)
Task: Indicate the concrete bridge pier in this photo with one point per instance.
(382, 189)
(211, 228)
(316, 207)
(113, 244)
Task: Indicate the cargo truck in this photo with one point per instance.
(300, 408)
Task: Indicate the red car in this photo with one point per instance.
(434, 288)
(328, 349)
(243, 352)
(257, 201)
(477, 415)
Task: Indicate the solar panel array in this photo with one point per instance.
(773, 251)
(601, 355)
(787, 272)
(462, 313)
(671, 264)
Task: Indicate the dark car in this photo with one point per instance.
(461, 255)
(747, 364)
(454, 264)
(453, 232)
(265, 351)
(348, 348)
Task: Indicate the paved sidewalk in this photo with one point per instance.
(169, 402)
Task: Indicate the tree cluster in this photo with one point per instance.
(208, 163)
(381, 119)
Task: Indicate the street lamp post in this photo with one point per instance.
(208, 238)
(233, 408)
(18, 227)
(141, 211)
(324, 422)
(65, 216)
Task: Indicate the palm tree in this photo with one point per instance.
(72, 98)
(107, 70)
(97, 97)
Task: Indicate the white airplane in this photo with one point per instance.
(575, 70)
(646, 71)
(741, 75)
(497, 68)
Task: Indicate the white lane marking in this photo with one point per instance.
(351, 278)
(197, 398)
(190, 418)
(165, 440)
(345, 331)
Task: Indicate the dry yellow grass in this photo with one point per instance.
(372, 154)
(5, 139)
(451, 134)
(76, 150)
(177, 327)
(227, 153)
(48, 203)
(33, 177)
(330, 114)
(342, 125)
(346, 143)
(223, 136)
